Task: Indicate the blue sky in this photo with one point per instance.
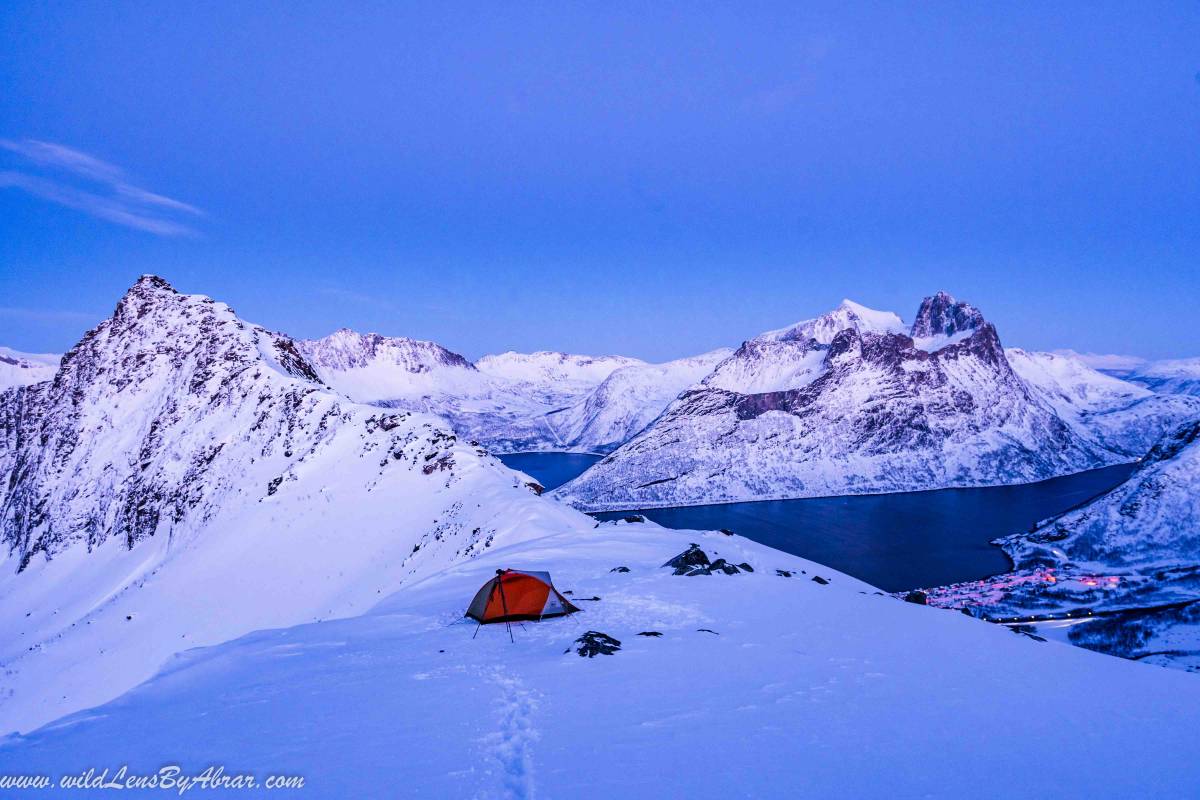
(655, 181)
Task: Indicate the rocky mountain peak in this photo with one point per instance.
(347, 349)
(942, 315)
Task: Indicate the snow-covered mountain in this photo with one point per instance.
(1114, 414)
(369, 368)
(1127, 564)
(186, 478)
(847, 404)
(764, 684)
(511, 402)
(1175, 376)
(22, 369)
(628, 400)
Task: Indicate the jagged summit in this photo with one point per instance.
(942, 315)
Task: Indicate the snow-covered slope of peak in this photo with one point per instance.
(628, 400)
(881, 415)
(1115, 414)
(759, 685)
(370, 368)
(1176, 376)
(1134, 549)
(544, 367)
(793, 357)
(22, 369)
(847, 315)
(769, 365)
(186, 478)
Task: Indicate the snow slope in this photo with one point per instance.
(186, 478)
(369, 368)
(628, 400)
(1178, 376)
(1134, 548)
(879, 412)
(22, 369)
(1116, 415)
(760, 686)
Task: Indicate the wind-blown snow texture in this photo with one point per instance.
(846, 404)
(186, 478)
(22, 369)
(760, 685)
(1135, 548)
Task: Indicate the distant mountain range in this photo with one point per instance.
(855, 401)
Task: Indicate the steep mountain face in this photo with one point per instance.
(186, 477)
(942, 320)
(1178, 376)
(1128, 563)
(22, 369)
(871, 410)
(628, 400)
(1114, 414)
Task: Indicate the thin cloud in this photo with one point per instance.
(88, 184)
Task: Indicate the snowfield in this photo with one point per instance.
(22, 369)
(760, 686)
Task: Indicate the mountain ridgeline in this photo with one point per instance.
(855, 402)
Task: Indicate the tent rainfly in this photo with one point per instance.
(515, 595)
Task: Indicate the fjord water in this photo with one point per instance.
(893, 541)
(551, 470)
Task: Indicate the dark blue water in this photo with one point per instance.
(551, 469)
(894, 541)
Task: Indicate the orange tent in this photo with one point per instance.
(517, 595)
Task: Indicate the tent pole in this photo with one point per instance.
(504, 604)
